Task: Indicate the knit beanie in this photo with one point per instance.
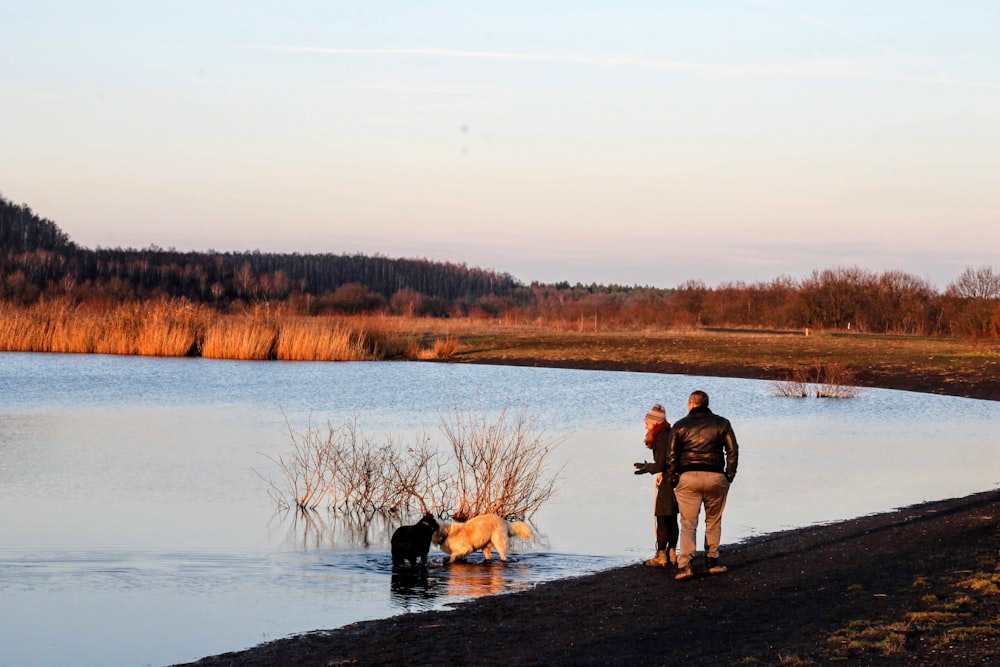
(657, 414)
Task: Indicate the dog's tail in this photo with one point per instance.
(519, 529)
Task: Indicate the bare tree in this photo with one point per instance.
(975, 295)
(976, 283)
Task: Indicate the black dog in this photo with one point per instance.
(411, 543)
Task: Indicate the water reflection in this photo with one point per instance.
(473, 579)
(415, 590)
(421, 588)
(322, 529)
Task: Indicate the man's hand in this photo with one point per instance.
(641, 468)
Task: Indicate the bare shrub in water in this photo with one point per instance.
(831, 380)
(306, 470)
(422, 476)
(341, 469)
(499, 467)
(795, 386)
(835, 381)
(362, 473)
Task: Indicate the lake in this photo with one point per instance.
(137, 529)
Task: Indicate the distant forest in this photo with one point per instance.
(40, 263)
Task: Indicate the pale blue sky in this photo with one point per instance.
(612, 142)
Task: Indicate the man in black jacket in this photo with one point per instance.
(702, 456)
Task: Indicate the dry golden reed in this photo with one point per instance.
(157, 328)
(171, 330)
(321, 339)
(440, 348)
(177, 328)
(393, 337)
(240, 337)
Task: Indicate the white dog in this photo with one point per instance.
(480, 533)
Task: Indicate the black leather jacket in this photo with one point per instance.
(702, 441)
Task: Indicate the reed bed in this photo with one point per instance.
(323, 339)
(162, 329)
(241, 337)
(176, 328)
(171, 330)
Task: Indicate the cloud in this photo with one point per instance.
(838, 71)
(435, 89)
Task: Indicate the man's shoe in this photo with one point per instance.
(715, 567)
(659, 560)
(684, 573)
(672, 556)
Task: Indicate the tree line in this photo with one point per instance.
(39, 262)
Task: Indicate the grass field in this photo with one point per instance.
(937, 365)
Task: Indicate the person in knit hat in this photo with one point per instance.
(656, 415)
(665, 506)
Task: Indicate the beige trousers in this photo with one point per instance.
(694, 489)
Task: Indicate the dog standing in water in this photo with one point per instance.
(411, 543)
(480, 533)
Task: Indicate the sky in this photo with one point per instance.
(631, 143)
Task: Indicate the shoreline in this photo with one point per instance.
(874, 572)
(979, 387)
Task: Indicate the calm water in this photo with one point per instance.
(136, 530)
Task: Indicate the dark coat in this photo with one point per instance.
(666, 502)
(702, 441)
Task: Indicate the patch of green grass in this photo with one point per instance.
(983, 583)
(963, 601)
(925, 618)
(973, 633)
(860, 637)
(944, 622)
